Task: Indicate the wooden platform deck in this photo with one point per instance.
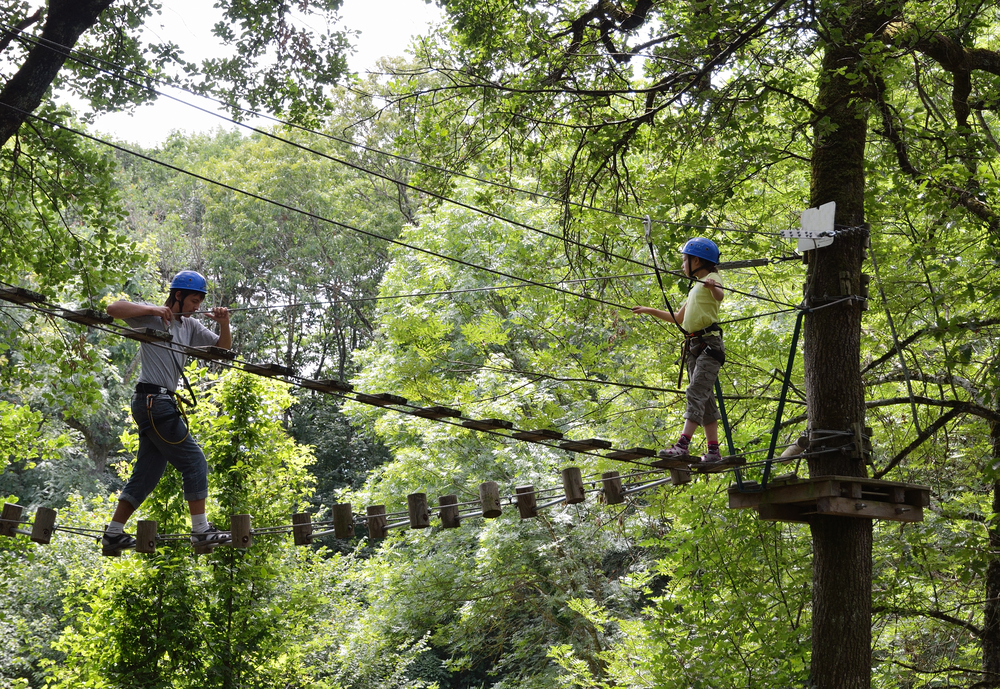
(797, 500)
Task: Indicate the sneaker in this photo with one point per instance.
(678, 451)
(113, 545)
(713, 456)
(211, 537)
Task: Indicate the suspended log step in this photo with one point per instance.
(210, 353)
(270, 370)
(86, 316)
(585, 445)
(328, 385)
(19, 295)
(797, 500)
(538, 435)
(488, 424)
(438, 413)
(631, 454)
(381, 399)
(146, 334)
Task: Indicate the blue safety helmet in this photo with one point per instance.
(191, 281)
(702, 248)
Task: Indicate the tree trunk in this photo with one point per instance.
(991, 610)
(66, 21)
(842, 546)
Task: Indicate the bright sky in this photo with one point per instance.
(385, 27)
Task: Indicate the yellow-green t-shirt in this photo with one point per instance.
(702, 309)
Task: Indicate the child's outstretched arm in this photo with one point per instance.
(715, 288)
(662, 315)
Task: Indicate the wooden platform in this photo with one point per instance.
(797, 500)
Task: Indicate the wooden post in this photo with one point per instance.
(489, 496)
(680, 476)
(239, 527)
(343, 521)
(11, 516)
(376, 521)
(612, 488)
(573, 485)
(45, 521)
(302, 528)
(450, 518)
(145, 536)
(416, 508)
(526, 501)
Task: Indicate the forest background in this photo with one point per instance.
(465, 228)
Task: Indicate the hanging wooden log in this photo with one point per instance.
(631, 453)
(489, 496)
(328, 385)
(437, 413)
(538, 435)
(585, 445)
(488, 424)
(376, 522)
(269, 370)
(146, 334)
(526, 501)
(381, 399)
(19, 295)
(612, 483)
(240, 528)
(210, 353)
(416, 509)
(448, 510)
(572, 480)
(145, 536)
(11, 519)
(343, 521)
(302, 528)
(87, 316)
(43, 525)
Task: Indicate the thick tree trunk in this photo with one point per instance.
(991, 610)
(66, 21)
(842, 546)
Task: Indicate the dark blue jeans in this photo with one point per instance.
(163, 439)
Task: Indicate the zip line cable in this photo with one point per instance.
(308, 214)
(89, 60)
(374, 173)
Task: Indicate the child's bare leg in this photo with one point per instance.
(690, 427)
(711, 432)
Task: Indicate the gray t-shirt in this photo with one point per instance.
(161, 365)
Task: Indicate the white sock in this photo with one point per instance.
(114, 528)
(199, 523)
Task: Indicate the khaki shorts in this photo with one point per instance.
(703, 371)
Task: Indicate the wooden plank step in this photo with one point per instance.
(585, 445)
(438, 412)
(19, 295)
(631, 453)
(488, 424)
(381, 399)
(86, 316)
(147, 334)
(538, 435)
(270, 370)
(328, 385)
